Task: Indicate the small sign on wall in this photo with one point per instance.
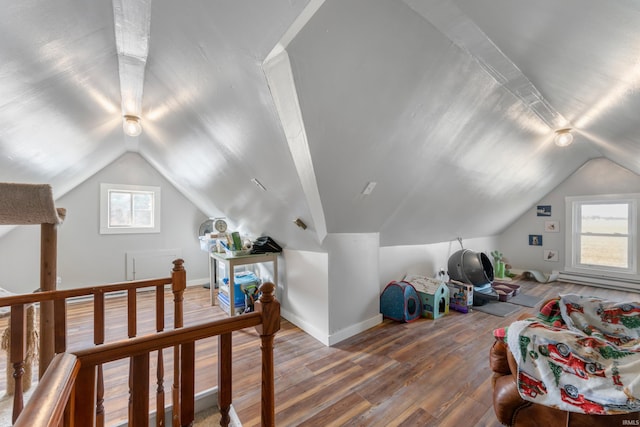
(543, 210)
(550, 255)
(535, 239)
(552, 226)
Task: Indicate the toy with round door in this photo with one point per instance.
(399, 301)
(433, 293)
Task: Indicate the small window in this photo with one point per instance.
(129, 209)
(603, 233)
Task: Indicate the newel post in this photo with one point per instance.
(269, 307)
(178, 285)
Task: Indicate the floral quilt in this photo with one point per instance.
(581, 354)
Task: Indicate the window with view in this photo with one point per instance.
(129, 209)
(602, 233)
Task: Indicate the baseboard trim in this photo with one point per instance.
(336, 337)
(305, 326)
(84, 298)
(197, 282)
(599, 281)
(352, 330)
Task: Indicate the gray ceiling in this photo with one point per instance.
(449, 107)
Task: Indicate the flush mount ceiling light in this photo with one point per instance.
(131, 125)
(563, 137)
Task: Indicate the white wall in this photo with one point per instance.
(598, 176)
(426, 260)
(335, 295)
(354, 300)
(304, 297)
(86, 257)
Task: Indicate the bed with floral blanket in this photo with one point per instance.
(581, 354)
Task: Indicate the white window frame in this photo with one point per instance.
(105, 190)
(572, 236)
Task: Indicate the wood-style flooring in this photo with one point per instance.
(424, 373)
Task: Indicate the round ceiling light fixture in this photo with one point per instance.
(563, 137)
(131, 125)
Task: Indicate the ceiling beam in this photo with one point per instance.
(132, 21)
(464, 33)
(277, 69)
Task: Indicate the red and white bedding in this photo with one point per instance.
(582, 354)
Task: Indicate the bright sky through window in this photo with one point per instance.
(127, 209)
(604, 235)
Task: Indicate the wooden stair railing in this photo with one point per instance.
(47, 405)
(266, 320)
(59, 298)
(67, 392)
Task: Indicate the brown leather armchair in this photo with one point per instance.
(512, 410)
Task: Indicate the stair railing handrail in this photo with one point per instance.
(266, 320)
(69, 385)
(37, 297)
(117, 350)
(47, 405)
(17, 322)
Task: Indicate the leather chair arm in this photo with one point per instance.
(512, 410)
(506, 399)
(498, 358)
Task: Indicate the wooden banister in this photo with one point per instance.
(77, 379)
(17, 354)
(269, 308)
(160, 400)
(60, 325)
(178, 285)
(266, 320)
(139, 390)
(132, 313)
(130, 347)
(53, 315)
(139, 348)
(224, 378)
(47, 404)
(67, 294)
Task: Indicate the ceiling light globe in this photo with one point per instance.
(132, 126)
(563, 137)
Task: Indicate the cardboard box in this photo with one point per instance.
(460, 296)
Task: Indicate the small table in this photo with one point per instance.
(230, 262)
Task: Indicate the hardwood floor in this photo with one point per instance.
(424, 373)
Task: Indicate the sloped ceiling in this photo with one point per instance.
(449, 107)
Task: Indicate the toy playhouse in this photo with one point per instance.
(433, 293)
(400, 301)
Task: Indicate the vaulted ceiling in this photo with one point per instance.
(449, 107)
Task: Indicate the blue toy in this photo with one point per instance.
(399, 301)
